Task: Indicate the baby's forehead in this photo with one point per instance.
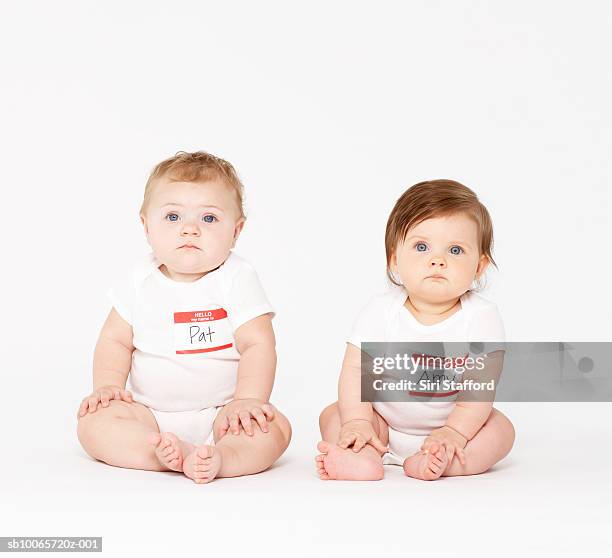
(445, 226)
(186, 193)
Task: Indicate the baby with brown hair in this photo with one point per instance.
(190, 328)
(439, 241)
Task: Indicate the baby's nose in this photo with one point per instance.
(190, 230)
(438, 262)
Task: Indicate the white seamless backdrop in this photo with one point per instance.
(329, 111)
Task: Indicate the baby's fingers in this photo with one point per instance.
(359, 444)
(105, 397)
(83, 407)
(224, 427)
(234, 424)
(461, 456)
(347, 440)
(450, 451)
(426, 444)
(260, 418)
(268, 410)
(378, 445)
(93, 403)
(245, 419)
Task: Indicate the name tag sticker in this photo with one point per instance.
(203, 331)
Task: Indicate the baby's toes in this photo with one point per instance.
(201, 473)
(167, 451)
(203, 453)
(323, 446)
(321, 470)
(435, 465)
(163, 451)
(440, 462)
(438, 457)
(172, 455)
(208, 466)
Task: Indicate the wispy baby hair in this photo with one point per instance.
(198, 166)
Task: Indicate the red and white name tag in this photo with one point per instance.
(202, 331)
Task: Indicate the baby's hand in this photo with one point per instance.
(451, 439)
(239, 413)
(358, 433)
(102, 396)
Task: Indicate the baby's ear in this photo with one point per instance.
(483, 263)
(393, 262)
(144, 224)
(238, 229)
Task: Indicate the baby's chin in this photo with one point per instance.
(193, 262)
(437, 291)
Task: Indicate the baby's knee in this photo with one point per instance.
(88, 429)
(90, 425)
(284, 427)
(506, 432)
(327, 413)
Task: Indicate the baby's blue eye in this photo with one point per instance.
(456, 250)
(173, 217)
(209, 218)
(421, 246)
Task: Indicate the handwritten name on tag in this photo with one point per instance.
(202, 331)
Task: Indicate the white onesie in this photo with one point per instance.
(386, 319)
(185, 361)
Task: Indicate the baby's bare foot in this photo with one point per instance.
(202, 464)
(170, 451)
(427, 466)
(336, 463)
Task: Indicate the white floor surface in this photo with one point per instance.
(551, 495)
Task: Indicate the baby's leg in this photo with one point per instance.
(490, 445)
(237, 455)
(336, 463)
(118, 435)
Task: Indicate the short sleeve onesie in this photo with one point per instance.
(185, 355)
(386, 319)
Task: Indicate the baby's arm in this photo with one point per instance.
(349, 388)
(356, 416)
(256, 369)
(112, 363)
(468, 417)
(257, 366)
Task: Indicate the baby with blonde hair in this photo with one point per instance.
(190, 328)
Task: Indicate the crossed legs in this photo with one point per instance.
(127, 435)
(491, 444)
